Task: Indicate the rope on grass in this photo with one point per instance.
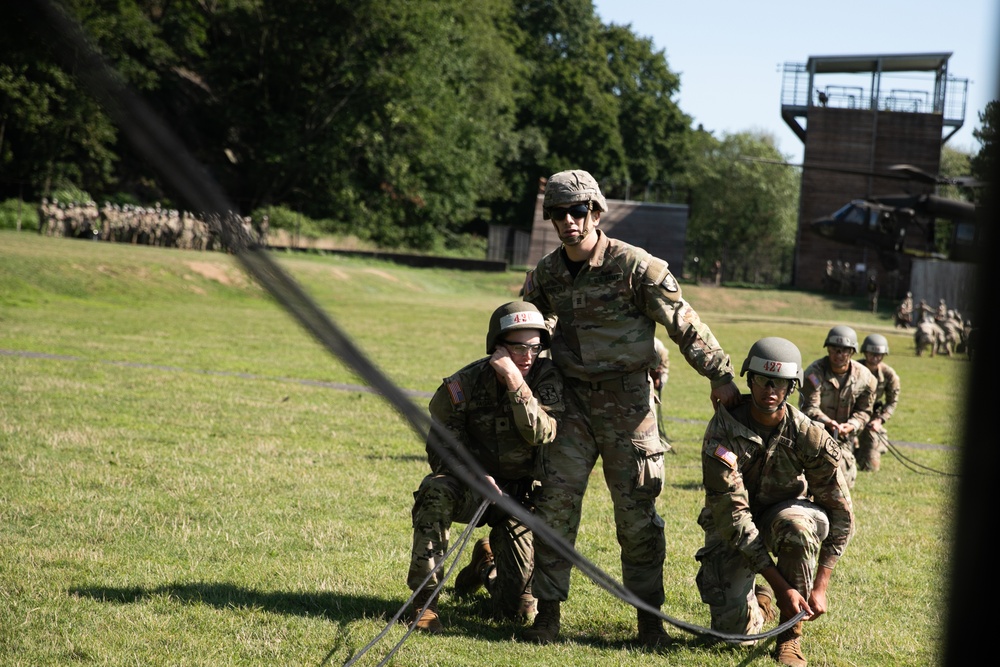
(199, 191)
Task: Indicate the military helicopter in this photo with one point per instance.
(901, 223)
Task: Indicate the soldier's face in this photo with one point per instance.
(840, 357)
(573, 224)
(512, 340)
(872, 359)
(768, 397)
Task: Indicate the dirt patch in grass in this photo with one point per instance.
(218, 273)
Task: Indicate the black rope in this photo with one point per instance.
(912, 465)
(167, 154)
(459, 546)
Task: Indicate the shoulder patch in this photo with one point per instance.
(455, 391)
(529, 283)
(724, 455)
(547, 394)
(814, 380)
(669, 283)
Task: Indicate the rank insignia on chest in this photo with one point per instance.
(503, 424)
(579, 300)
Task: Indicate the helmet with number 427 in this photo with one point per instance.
(776, 358)
(512, 316)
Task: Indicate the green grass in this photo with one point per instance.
(177, 488)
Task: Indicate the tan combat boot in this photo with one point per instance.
(765, 599)
(471, 577)
(425, 604)
(788, 650)
(651, 632)
(545, 629)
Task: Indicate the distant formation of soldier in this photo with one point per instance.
(840, 278)
(139, 225)
(941, 330)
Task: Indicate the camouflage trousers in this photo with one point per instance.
(792, 530)
(616, 421)
(871, 445)
(443, 499)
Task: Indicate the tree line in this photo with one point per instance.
(406, 124)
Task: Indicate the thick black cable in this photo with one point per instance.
(193, 185)
(912, 465)
(458, 547)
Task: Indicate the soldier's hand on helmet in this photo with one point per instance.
(728, 395)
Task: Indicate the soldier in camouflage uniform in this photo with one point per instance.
(873, 441)
(839, 393)
(501, 409)
(603, 299)
(773, 485)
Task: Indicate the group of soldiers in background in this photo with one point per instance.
(157, 226)
(840, 278)
(941, 330)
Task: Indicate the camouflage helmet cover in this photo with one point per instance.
(572, 187)
(774, 357)
(876, 344)
(512, 316)
(842, 336)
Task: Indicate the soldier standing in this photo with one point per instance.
(839, 393)
(773, 485)
(904, 313)
(873, 441)
(607, 297)
(500, 409)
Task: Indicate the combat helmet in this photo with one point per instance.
(572, 187)
(512, 316)
(876, 344)
(842, 336)
(776, 358)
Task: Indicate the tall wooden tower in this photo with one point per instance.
(865, 113)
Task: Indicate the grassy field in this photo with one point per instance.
(185, 479)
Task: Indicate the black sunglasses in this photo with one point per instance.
(578, 211)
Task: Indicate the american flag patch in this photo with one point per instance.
(725, 456)
(816, 382)
(529, 283)
(457, 395)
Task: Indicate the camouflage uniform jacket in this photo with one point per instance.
(743, 476)
(605, 317)
(886, 392)
(823, 398)
(501, 429)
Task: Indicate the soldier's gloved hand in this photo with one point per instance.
(493, 483)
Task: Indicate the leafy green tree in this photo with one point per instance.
(653, 128)
(985, 163)
(743, 212)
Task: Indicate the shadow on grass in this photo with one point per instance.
(470, 616)
(227, 596)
